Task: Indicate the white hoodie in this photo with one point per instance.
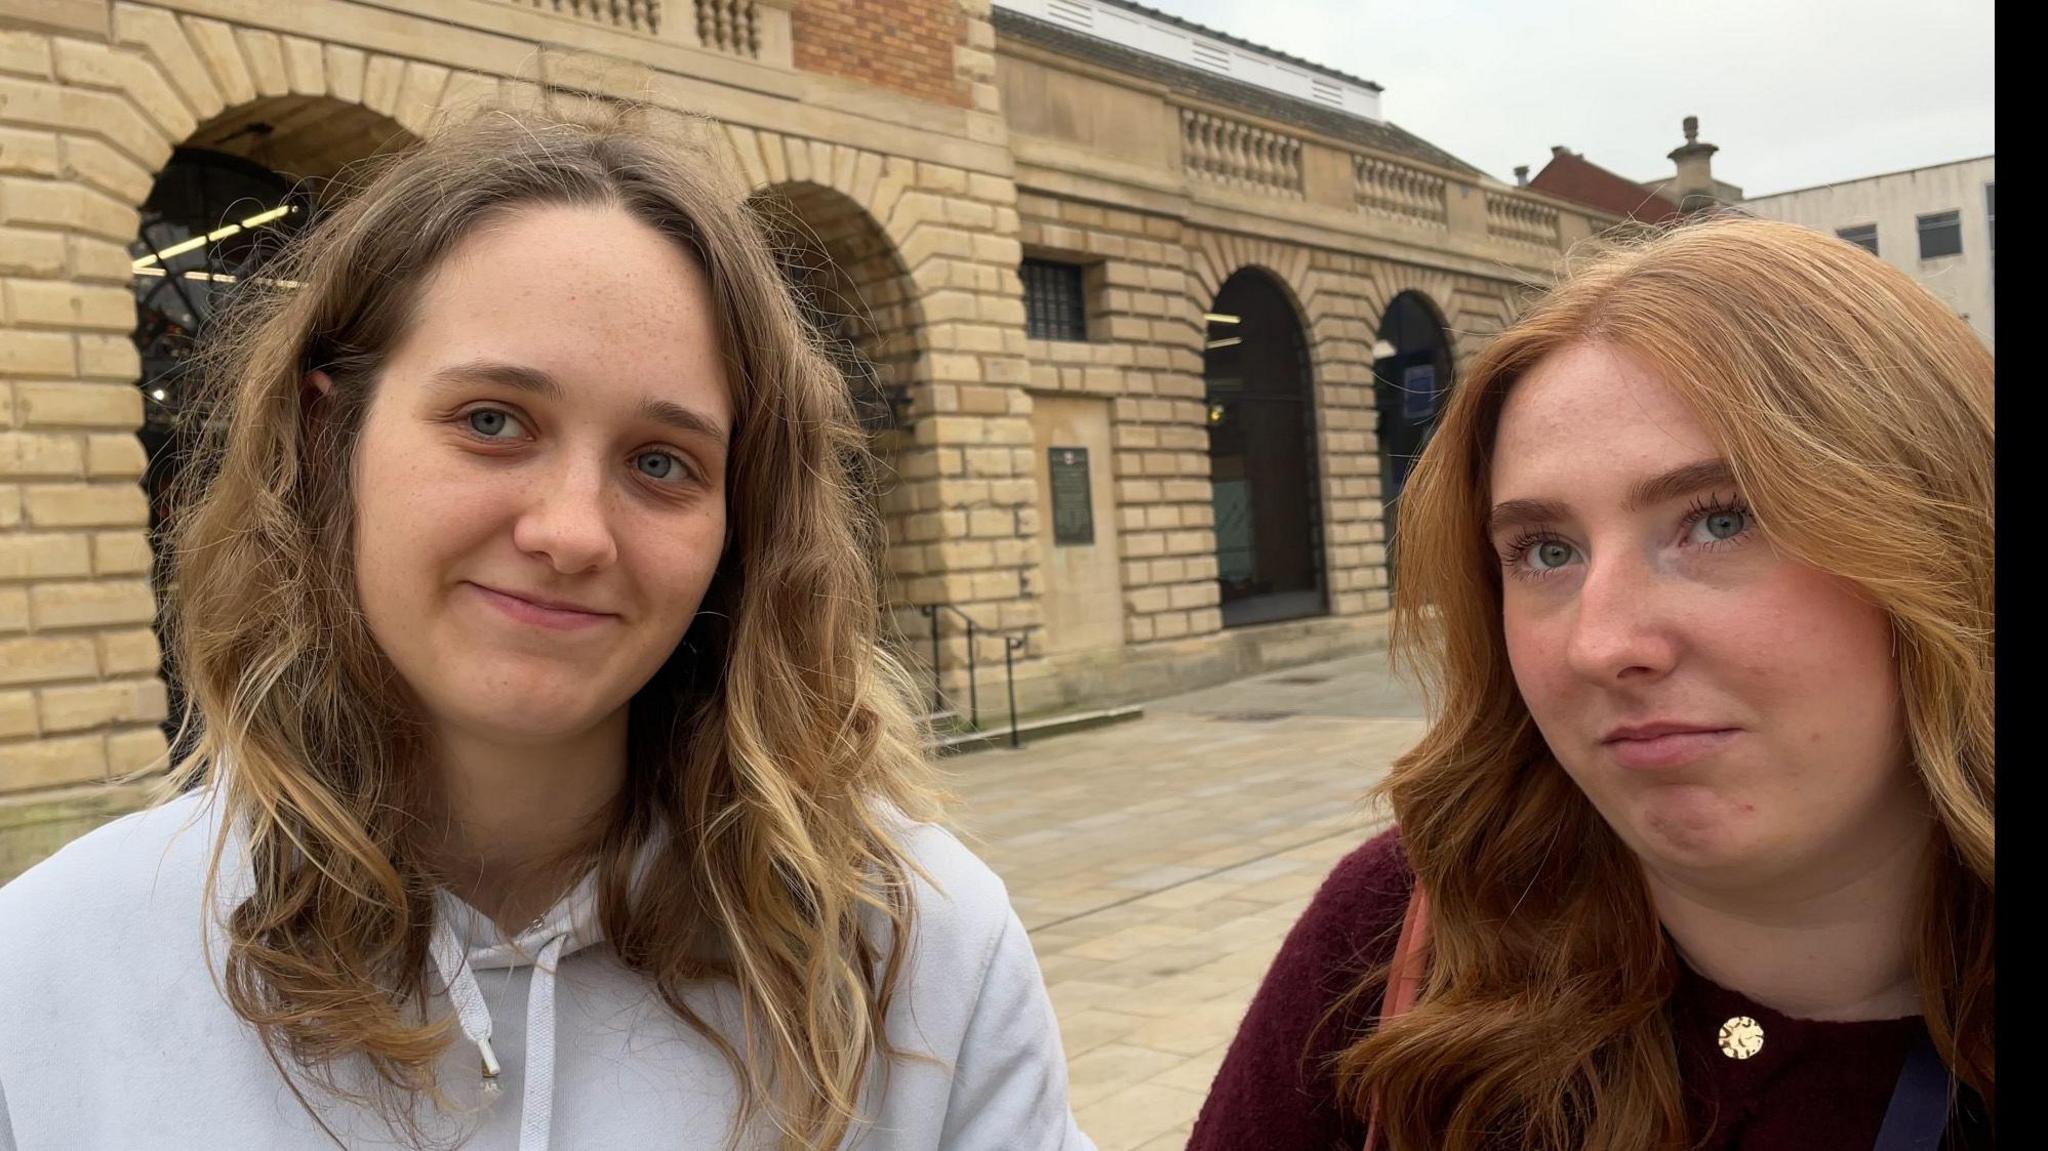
(114, 1033)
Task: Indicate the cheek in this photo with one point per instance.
(678, 566)
(1826, 667)
(413, 512)
(1806, 634)
(1536, 656)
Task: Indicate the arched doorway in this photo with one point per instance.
(210, 222)
(1411, 377)
(853, 289)
(225, 202)
(1262, 455)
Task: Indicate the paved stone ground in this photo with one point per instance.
(1158, 864)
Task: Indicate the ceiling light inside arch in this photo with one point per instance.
(220, 233)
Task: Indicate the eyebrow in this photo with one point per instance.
(539, 383)
(1660, 488)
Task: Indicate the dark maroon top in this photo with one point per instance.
(1814, 1086)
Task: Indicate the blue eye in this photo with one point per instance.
(656, 465)
(1719, 525)
(489, 423)
(1550, 554)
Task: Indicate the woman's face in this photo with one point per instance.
(1732, 713)
(540, 479)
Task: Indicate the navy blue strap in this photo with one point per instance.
(1920, 1102)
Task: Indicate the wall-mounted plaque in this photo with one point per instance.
(1073, 515)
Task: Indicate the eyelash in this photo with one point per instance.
(1518, 549)
(1702, 508)
(462, 418)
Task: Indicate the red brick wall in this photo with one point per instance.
(906, 45)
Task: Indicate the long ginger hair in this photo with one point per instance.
(1856, 413)
(773, 759)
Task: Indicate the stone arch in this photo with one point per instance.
(1219, 256)
(1414, 366)
(874, 182)
(855, 288)
(207, 74)
(1440, 288)
(851, 282)
(962, 470)
(1265, 452)
(228, 193)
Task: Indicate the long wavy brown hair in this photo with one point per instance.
(773, 760)
(1856, 413)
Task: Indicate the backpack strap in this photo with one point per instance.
(1404, 980)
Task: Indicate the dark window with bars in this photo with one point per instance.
(1862, 235)
(1941, 234)
(1055, 307)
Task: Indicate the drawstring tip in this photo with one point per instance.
(491, 1068)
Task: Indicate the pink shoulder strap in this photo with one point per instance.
(1404, 979)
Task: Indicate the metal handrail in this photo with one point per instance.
(931, 611)
(1011, 645)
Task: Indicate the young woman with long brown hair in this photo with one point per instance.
(551, 786)
(1697, 851)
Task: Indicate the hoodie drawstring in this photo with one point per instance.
(536, 1112)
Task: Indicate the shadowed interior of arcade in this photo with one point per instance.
(1262, 455)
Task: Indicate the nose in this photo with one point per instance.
(1624, 628)
(567, 519)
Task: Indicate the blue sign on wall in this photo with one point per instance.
(1418, 393)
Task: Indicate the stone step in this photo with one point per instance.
(961, 742)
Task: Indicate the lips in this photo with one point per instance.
(540, 611)
(1652, 746)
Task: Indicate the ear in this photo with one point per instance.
(314, 386)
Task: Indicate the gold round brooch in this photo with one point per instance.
(1741, 1037)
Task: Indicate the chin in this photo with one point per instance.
(1702, 834)
(528, 710)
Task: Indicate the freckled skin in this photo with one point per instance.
(1654, 618)
(561, 499)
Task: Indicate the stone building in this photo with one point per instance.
(1148, 320)
(1937, 224)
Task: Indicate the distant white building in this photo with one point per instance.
(1936, 224)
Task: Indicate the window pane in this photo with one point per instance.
(1862, 235)
(1941, 234)
(1054, 308)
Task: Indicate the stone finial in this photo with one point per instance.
(1521, 175)
(1692, 129)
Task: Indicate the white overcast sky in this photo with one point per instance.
(1795, 92)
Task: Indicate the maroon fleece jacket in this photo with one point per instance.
(1814, 1086)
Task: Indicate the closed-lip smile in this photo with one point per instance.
(541, 611)
(1665, 743)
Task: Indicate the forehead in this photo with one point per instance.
(1590, 417)
(577, 292)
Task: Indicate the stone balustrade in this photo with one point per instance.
(1240, 155)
